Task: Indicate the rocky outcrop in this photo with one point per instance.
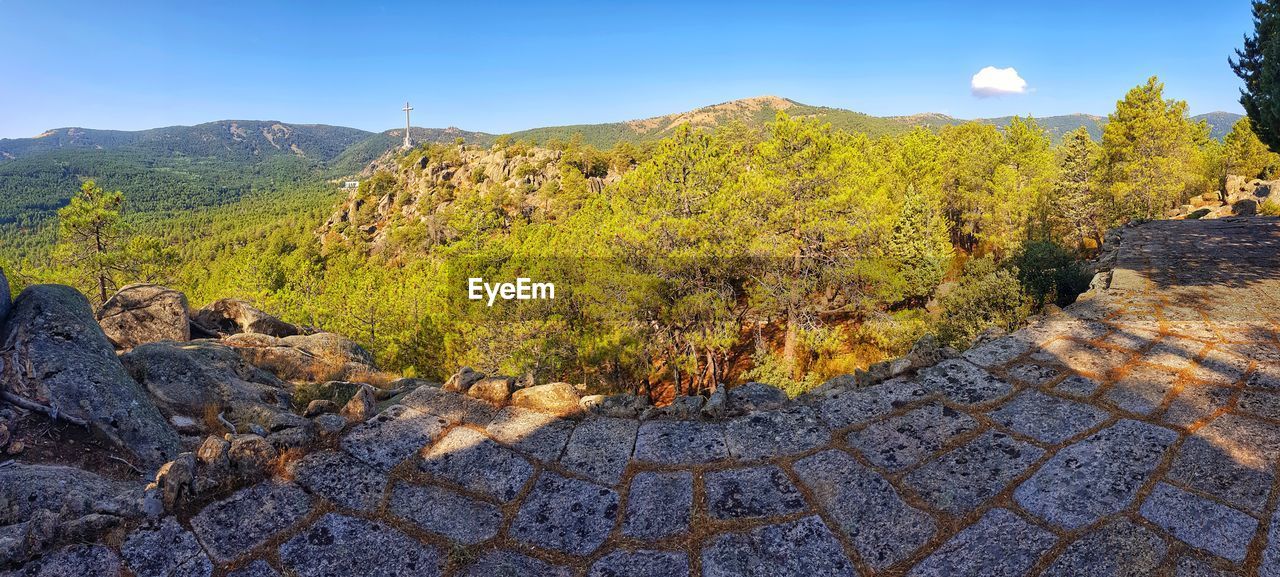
(425, 184)
(235, 316)
(145, 313)
(310, 358)
(200, 378)
(41, 505)
(56, 357)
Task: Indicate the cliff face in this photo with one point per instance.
(419, 188)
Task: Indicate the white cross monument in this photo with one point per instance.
(407, 144)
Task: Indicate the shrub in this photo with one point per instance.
(1269, 207)
(1048, 272)
(985, 297)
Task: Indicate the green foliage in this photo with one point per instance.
(986, 296)
(1257, 63)
(1049, 273)
(1151, 159)
(1245, 155)
(784, 249)
(920, 245)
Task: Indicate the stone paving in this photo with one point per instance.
(1135, 433)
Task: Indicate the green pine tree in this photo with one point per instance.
(1257, 63)
(1151, 160)
(921, 246)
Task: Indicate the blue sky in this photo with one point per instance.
(500, 67)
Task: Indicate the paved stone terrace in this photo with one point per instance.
(1138, 433)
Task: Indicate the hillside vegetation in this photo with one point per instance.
(787, 252)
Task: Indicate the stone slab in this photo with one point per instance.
(1046, 418)
(342, 479)
(1199, 522)
(751, 493)
(445, 512)
(452, 407)
(600, 449)
(1196, 403)
(1000, 544)
(392, 436)
(475, 462)
(1096, 476)
(566, 515)
(167, 550)
(997, 352)
(964, 383)
(539, 435)
(680, 442)
(962, 479)
(1120, 548)
(659, 505)
(899, 442)
(857, 406)
(257, 568)
(882, 527)
(1142, 389)
(1232, 457)
(802, 548)
(340, 545)
(248, 518)
(770, 434)
(642, 564)
(505, 563)
(1077, 385)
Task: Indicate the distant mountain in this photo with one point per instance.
(230, 139)
(180, 168)
(757, 111)
(753, 112)
(1220, 123)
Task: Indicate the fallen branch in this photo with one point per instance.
(228, 424)
(135, 469)
(34, 406)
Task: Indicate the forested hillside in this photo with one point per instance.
(785, 251)
(761, 239)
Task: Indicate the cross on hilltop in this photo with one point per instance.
(407, 109)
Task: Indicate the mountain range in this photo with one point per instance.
(182, 167)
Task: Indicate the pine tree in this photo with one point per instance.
(91, 236)
(1019, 187)
(1150, 155)
(1244, 154)
(920, 245)
(1076, 203)
(1258, 65)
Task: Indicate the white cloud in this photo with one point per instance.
(992, 81)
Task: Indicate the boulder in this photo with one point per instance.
(682, 407)
(556, 398)
(462, 380)
(145, 313)
(199, 377)
(493, 390)
(213, 453)
(173, 480)
(309, 358)
(329, 424)
(715, 405)
(5, 301)
(55, 356)
(320, 407)
(235, 316)
(250, 455)
(361, 406)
